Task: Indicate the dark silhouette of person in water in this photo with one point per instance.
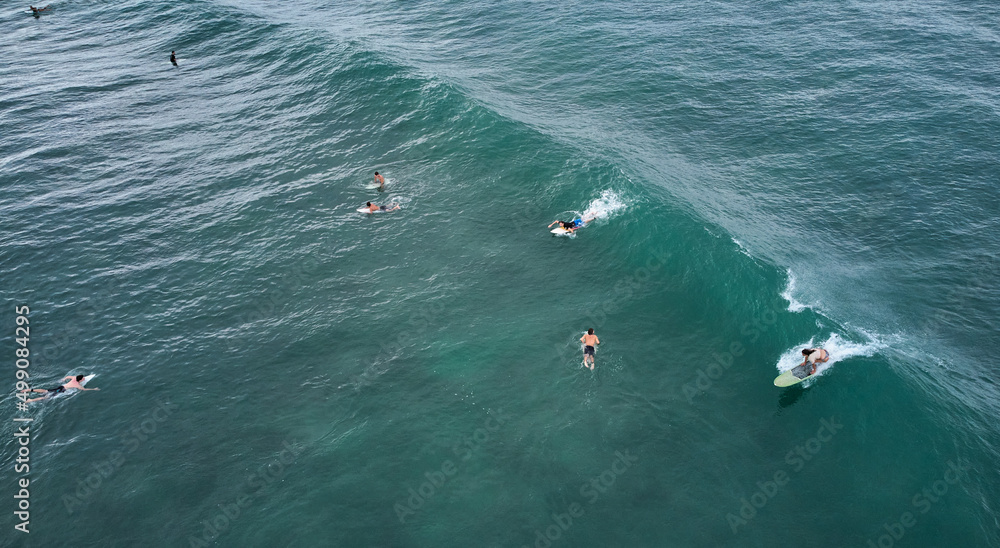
(173, 58)
(35, 11)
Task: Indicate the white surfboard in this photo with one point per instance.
(373, 185)
(561, 232)
(391, 207)
(71, 390)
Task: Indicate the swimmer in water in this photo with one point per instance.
(379, 180)
(571, 226)
(589, 342)
(372, 208)
(35, 11)
(74, 383)
(173, 58)
(814, 356)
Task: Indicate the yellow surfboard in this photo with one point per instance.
(794, 375)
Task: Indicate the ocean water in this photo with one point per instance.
(277, 369)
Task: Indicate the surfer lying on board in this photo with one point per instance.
(570, 226)
(589, 341)
(372, 208)
(74, 382)
(814, 356)
(35, 10)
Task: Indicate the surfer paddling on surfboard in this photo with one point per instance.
(814, 356)
(372, 208)
(589, 341)
(570, 226)
(74, 383)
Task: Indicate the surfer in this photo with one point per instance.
(372, 208)
(379, 180)
(814, 356)
(570, 226)
(173, 58)
(34, 10)
(74, 383)
(589, 342)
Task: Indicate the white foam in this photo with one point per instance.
(604, 207)
(838, 347)
(742, 247)
(788, 294)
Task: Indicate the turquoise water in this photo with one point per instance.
(277, 369)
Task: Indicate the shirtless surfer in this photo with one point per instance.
(35, 11)
(589, 342)
(379, 180)
(74, 383)
(372, 208)
(814, 356)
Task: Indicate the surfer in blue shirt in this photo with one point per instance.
(814, 356)
(74, 383)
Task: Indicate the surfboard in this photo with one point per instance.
(366, 210)
(373, 185)
(561, 232)
(793, 376)
(70, 391)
